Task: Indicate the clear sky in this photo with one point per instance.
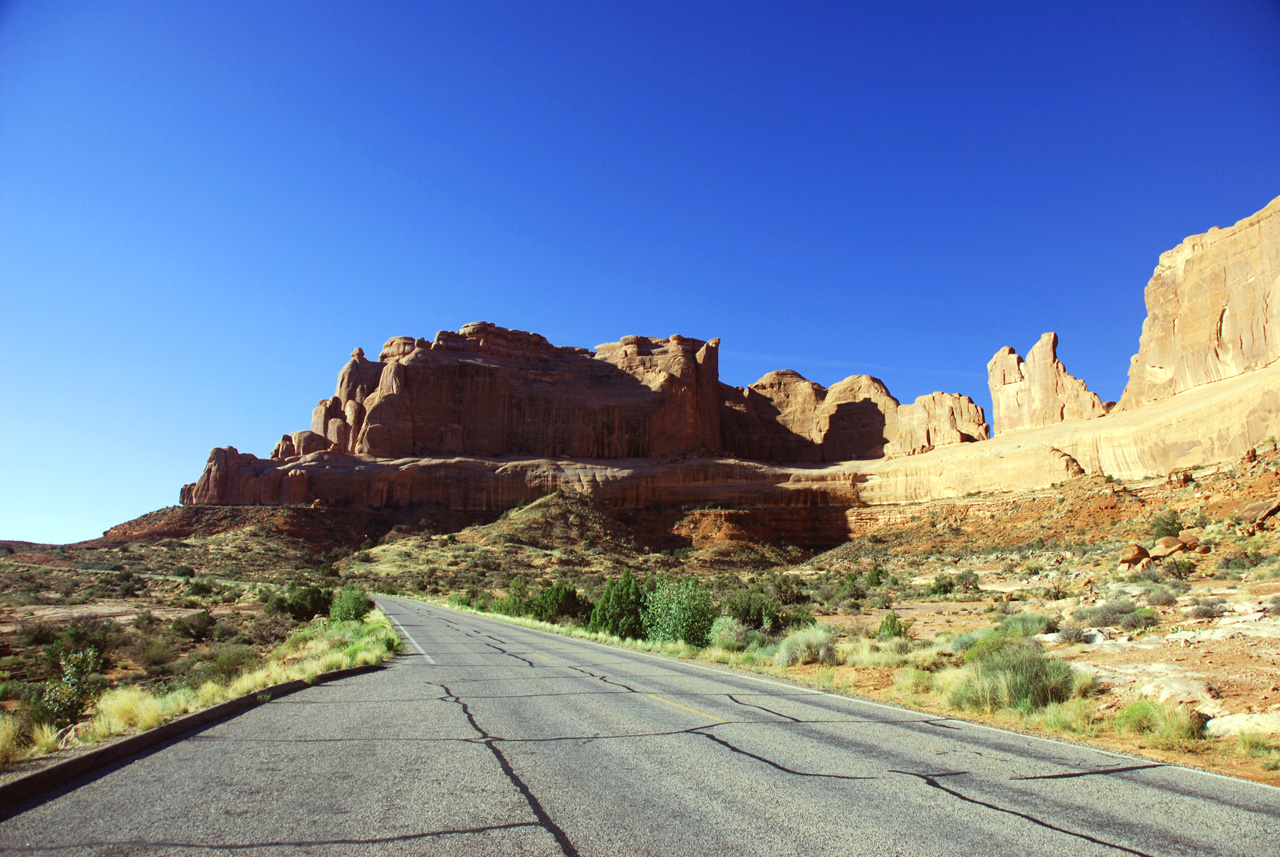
(205, 206)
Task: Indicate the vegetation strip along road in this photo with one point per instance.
(516, 741)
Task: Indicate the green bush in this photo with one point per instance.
(892, 626)
(620, 610)
(558, 602)
(679, 611)
(1016, 675)
(728, 633)
(65, 698)
(304, 602)
(350, 604)
(184, 571)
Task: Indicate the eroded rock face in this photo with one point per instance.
(1037, 391)
(490, 391)
(938, 419)
(1213, 310)
(785, 417)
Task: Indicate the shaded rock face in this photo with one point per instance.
(784, 417)
(1038, 391)
(938, 419)
(489, 391)
(1212, 310)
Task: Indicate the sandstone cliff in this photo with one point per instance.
(1212, 310)
(784, 417)
(1038, 391)
(938, 419)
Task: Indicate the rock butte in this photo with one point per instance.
(485, 418)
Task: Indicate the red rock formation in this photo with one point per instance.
(1037, 391)
(1213, 310)
(784, 417)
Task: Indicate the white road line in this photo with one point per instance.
(410, 638)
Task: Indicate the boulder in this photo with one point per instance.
(1213, 310)
(1038, 391)
(1167, 546)
(1133, 554)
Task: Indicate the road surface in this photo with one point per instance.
(489, 739)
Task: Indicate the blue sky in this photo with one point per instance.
(205, 206)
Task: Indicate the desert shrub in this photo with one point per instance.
(912, 680)
(1071, 634)
(1160, 596)
(943, 584)
(1028, 624)
(875, 577)
(794, 616)
(1205, 611)
(728, 633)
(65, 698)
(1167, 524)
(10, 739)
(199, 587)
(222, 663)
(814, 644)
(1016, 675)
(92, 633)
(1107, 615)
(787, 589)
(1273, 608)
(1143, 617)
(184, 571)
(1167, 725)
(558, 602)
(892, 626)
(620, 610)
(152, 650)
(753, 609)
(1178, 569)
(679, 611)
(34, 632)
(196, 627)
(350, 604)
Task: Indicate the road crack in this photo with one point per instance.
(535, 805)
(932, 781)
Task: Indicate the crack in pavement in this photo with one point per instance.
(282, 843)
(932, 781)
(770, 762)
(544, 820)
(605, 679)
(762, 708)
(1100, 772)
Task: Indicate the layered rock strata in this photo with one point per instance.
(1037, 391)
(1213, 310)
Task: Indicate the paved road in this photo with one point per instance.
(489, 739)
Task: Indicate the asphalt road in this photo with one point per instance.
(490, 739)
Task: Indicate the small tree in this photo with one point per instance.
(679, 611)
(620, 609)
(1167, 524)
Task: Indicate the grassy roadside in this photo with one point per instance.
(323, 645)
(996, 677)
